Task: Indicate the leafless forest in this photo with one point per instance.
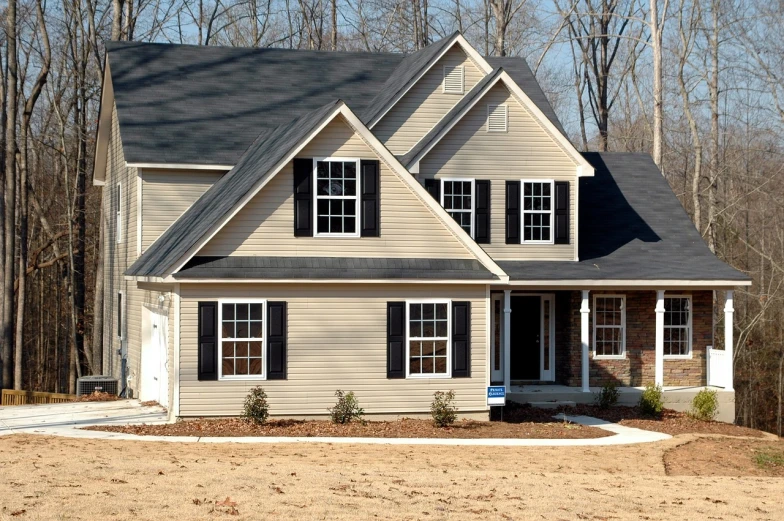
(698, 84)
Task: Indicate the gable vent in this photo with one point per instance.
(454, 79)
(497, 118)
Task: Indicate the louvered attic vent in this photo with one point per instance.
(454, 79)
(497, 118)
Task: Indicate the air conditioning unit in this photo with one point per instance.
(101, 384)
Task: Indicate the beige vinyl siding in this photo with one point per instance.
(265, 226)
(166, 194)
(336, 340)
(424, 104)
(526, 151)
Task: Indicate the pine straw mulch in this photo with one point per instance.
(670, 422)
(96, 397)
(519, 422)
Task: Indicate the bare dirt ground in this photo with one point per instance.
(59, 478)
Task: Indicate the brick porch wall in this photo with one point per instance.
(637, 369)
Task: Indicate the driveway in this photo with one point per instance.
(58, 416)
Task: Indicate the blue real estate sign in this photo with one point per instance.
(496, 395)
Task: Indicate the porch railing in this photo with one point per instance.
(718, 367)
(10, 397)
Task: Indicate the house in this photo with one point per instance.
(388, 224)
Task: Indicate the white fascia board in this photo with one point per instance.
(462, 282)
(467, 48)
(179, 166)
(104, 127)
(625, 283)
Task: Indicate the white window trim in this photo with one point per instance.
(490, 108)
(121, 308)
(622, 356)
(523, 211)
(462, 80)
(448, 374)
(264, 329)
(691, 330)
(118, 215)
(473, 198)
(356, 198)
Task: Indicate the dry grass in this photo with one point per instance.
(56, 478)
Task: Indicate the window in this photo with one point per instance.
(457, 198)
(454, 79)
(537, 211)
(241, 340)
(428, 339)
(120, 315)
(118, 212)
(609, 328)
(497, 118)
(337, 208)
(677, 326)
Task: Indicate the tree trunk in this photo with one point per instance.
(658, 94)
(117, 13)
(334, 25)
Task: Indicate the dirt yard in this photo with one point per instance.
(58, 478)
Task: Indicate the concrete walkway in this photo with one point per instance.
(67, 419)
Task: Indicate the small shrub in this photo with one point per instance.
(607, 397)
(256, 409)
(651, 400)
(346, 409)
(443, 412)
(705, 405)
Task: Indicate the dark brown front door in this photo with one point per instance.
(524, 338)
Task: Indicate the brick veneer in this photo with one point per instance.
(638, 367)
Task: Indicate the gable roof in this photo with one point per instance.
(204, 105)
(632, 229)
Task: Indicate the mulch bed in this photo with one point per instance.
(97, 397)
(520, 422)
(723, 457)
(671, 422)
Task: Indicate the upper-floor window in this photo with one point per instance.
(336, 201)
(454, 79)
(497, 118)
(457, 198)
(118, 212)
(538, 211)
(677, 326)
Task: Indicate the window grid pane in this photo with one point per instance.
(608, 326)
(428, 335)
(537, 211)
(336, 197)
(677, 333)
(242, 340)
(458, 202)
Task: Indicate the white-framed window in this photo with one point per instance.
(120, 314)
(118, 212)
(241, 342)
(337, 202)
(428, 348)
(457, 198)
(538, 204)
(497, 118)
(677, 326)
(454, 79)
(609, 326)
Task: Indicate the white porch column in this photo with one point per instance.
(584, 340)
(728, 340)
(507, 334)
(659, 373)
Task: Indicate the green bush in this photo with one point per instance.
(651, 401)
(256, 409)
(346, 409)
(607, 397)
(443, 412)
(705, 405)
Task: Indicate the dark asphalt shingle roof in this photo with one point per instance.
(268, 150)
(332, 268)
(632, 227)
(205, 104)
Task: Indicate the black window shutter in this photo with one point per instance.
(433, 187)
(562, 212)
(371, 198)
(482, 215)
(303, 197)
(461, 339)
(208, 341)
(276, 340)
(396, 339)
(513, 212)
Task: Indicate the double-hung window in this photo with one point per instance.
(337, 205)
(538, 212)
(609, 328)
(242, 339)
(428, 339)
(457, 198)
(677, 327)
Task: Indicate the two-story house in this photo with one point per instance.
(388, 224)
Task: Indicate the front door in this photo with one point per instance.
(525, 345)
